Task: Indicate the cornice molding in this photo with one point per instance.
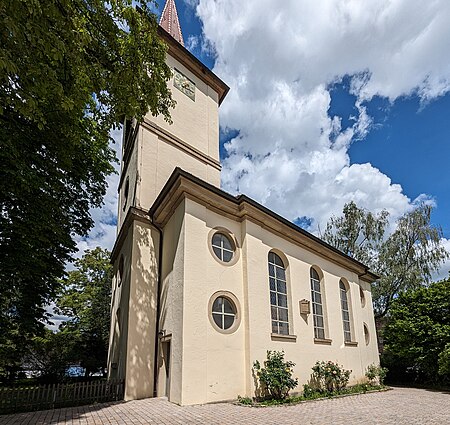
(182, 185)
(171, 139)
(133, 214)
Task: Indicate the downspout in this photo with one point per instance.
(158, 311)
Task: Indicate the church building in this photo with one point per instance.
(206, 282)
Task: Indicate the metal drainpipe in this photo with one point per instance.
(158, 312)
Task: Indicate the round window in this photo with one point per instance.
(223, 247)
(223, 312)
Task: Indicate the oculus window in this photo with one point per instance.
(223, 247)
(223, 313)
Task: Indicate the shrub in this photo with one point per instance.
(376, 373)
(245, 400)
(276, 375)
(444, 361)
(329, 377)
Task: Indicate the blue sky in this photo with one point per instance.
(409, 140)
(330, 102)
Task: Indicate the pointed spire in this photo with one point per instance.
(169, 21)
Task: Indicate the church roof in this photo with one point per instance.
(242, 207)
(169, 21)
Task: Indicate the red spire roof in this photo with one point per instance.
(169, 21)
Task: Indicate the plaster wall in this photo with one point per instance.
(172, 304)
(196, 122)
(142, 304)
(303, 350)
(218, 366)
(213, 362)
(157, 159)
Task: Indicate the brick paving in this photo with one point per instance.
(399, 406)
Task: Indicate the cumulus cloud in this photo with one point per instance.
(281, 58)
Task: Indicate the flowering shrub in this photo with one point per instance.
(376, 373)
(276, 375)
(329, 377)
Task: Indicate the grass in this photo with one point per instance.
(356, 389)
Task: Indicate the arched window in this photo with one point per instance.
(278, 295)
(345, 311)
(317, 305)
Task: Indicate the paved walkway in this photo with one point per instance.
(399, 406)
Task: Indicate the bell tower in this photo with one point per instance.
(154, 148)
(151, 150)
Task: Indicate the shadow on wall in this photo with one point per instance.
(142, 312)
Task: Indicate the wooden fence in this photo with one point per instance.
(42, 397)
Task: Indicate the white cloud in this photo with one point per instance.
(281, 57)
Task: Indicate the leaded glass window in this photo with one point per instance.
(278, 295)
(223, 247)
(317, 305)
(345, 312)
(223, 312)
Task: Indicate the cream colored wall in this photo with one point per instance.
(156, 161)
(304, 352)
(172, 303)
(218, 366)
(196, 123)
(140, 352)
(213, 363)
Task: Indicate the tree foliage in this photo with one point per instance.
(70, 70)
(86, 300)
(417, 335)
(404, 260)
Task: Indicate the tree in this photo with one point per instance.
(358, 233)
(417, 335)
(86, 300)
(70, 70)
(404, 260)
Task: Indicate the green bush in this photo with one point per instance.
(444, 361)
(328, 377)
(245, 400)
(276, 375)
(376, 373)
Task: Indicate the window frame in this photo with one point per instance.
(231, 238)
(234, 301)
(279, 279)
(344, 290)
(315, 305)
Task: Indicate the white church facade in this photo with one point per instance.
(206, 282)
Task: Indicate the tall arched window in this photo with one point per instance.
(345, 311)
(278, 295)
(317, 305)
